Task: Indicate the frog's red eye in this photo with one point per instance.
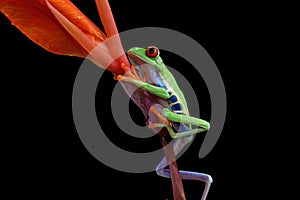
(152, 52)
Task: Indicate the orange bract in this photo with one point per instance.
(61, 28)
(37, 22)
(73, 14)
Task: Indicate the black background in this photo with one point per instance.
(45, 156)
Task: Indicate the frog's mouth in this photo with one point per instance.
(144, 68)
(139, 63)
(136, 60)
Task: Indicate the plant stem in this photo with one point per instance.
(178, 191)
(144, 101)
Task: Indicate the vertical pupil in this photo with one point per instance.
(152, 50)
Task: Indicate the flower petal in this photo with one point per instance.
(100, 52)
(82, 38)
(36, 21)
(111, 30)
(59, 27)
(74, 15)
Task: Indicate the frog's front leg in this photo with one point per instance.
(132, 77)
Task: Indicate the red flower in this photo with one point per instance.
(61, 28)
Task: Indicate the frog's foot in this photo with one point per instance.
(163, 122)
(130, 73)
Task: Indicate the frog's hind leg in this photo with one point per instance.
(178, 145)
(184, 119)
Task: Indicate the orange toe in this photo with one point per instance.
(119, 77)
(151, 126)
(123, 66)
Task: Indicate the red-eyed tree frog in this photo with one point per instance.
(172, 111)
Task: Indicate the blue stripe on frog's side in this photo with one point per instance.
(176, 107)
(173, 100)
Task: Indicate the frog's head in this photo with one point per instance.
(146, 56)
